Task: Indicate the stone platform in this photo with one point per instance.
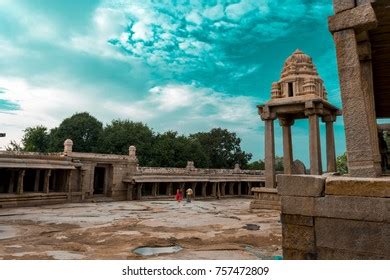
(265, 198)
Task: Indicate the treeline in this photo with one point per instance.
(218, 148)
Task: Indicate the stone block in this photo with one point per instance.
(352, 208)
(300, 185)
(369, 187)
(297, 220)
(342, 5)
(336, 254)
(298, 205)
(298, 237)
(292, 254)
(360, 18)
(358, 237)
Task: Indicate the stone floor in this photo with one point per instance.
(112, 230)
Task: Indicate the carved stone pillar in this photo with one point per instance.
(204, 186)
(214, 189)
(19, 189)
(314, 144)
(130, 187)
(193, 187)
(46, 181)
(330, 144)
(287, 145)
(270, 181)
(36, 181)
(11, 182)
(154, 189)
(223, 188)
(239, 188)
(139, 191)
(358, 112)
(169, 188)
(249, 188)
(231, 188)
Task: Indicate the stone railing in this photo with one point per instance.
(31, 155)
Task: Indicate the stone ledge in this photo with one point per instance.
(360, 18)
(301, 185)
(366, 187)
(298, 205)
(342, 5)
(297, 220)
(352, 208)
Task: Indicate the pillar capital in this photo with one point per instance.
(329, 118)
(265, 113)
(286, 121)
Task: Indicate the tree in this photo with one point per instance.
(118, 136)
(36, 139)
(223, 148)
(341, 163)
(171, 150)
(279, 163)
(256, 165)
(13, 146)
(83, 129)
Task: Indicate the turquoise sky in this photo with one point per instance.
(176, 65)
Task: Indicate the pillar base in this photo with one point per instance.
(266, 198)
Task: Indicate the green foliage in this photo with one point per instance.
(279, 163)
(169, 149)
(341, 163)
(120, 134)
(36, 139)
(84, 129)
(223, 148)
(256, 165)
(217, 148)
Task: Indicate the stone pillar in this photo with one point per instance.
(154, 189)
(362, 144)
(314, 144)
(249, 188)
(139, 191)
(11, 182)
(193, 187)
(169, 188)
(54, 175)
(214, 189)
(36, 181)
(223, 188)
(19, 189)
(287, 145)
(130, 187)
(330, 144)
(204, 186)
(46, 181)
(270, 181)
(231, 188)
(239, 188)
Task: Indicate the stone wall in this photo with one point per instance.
(333, 217)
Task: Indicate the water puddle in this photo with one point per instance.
(251, 227)
(154, 251)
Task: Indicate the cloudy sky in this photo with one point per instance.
(185, 65)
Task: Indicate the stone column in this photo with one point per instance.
(239, 188)
(231, 188)
(270, 181)
(36, 181)
(46, 181)
(154, 189)
(193, 186)
(169, 188)
(204, 186)
(249, 188)
(330, 145)
(214, 189)
(314, 144)
(130, 187)
(362, 144)
(223, 188)
(139, 191)
(288, 159)
(19, 189)
(11, 182)
(54, 175)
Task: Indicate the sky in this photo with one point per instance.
(183, 65)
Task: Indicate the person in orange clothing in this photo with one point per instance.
(179, 196)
